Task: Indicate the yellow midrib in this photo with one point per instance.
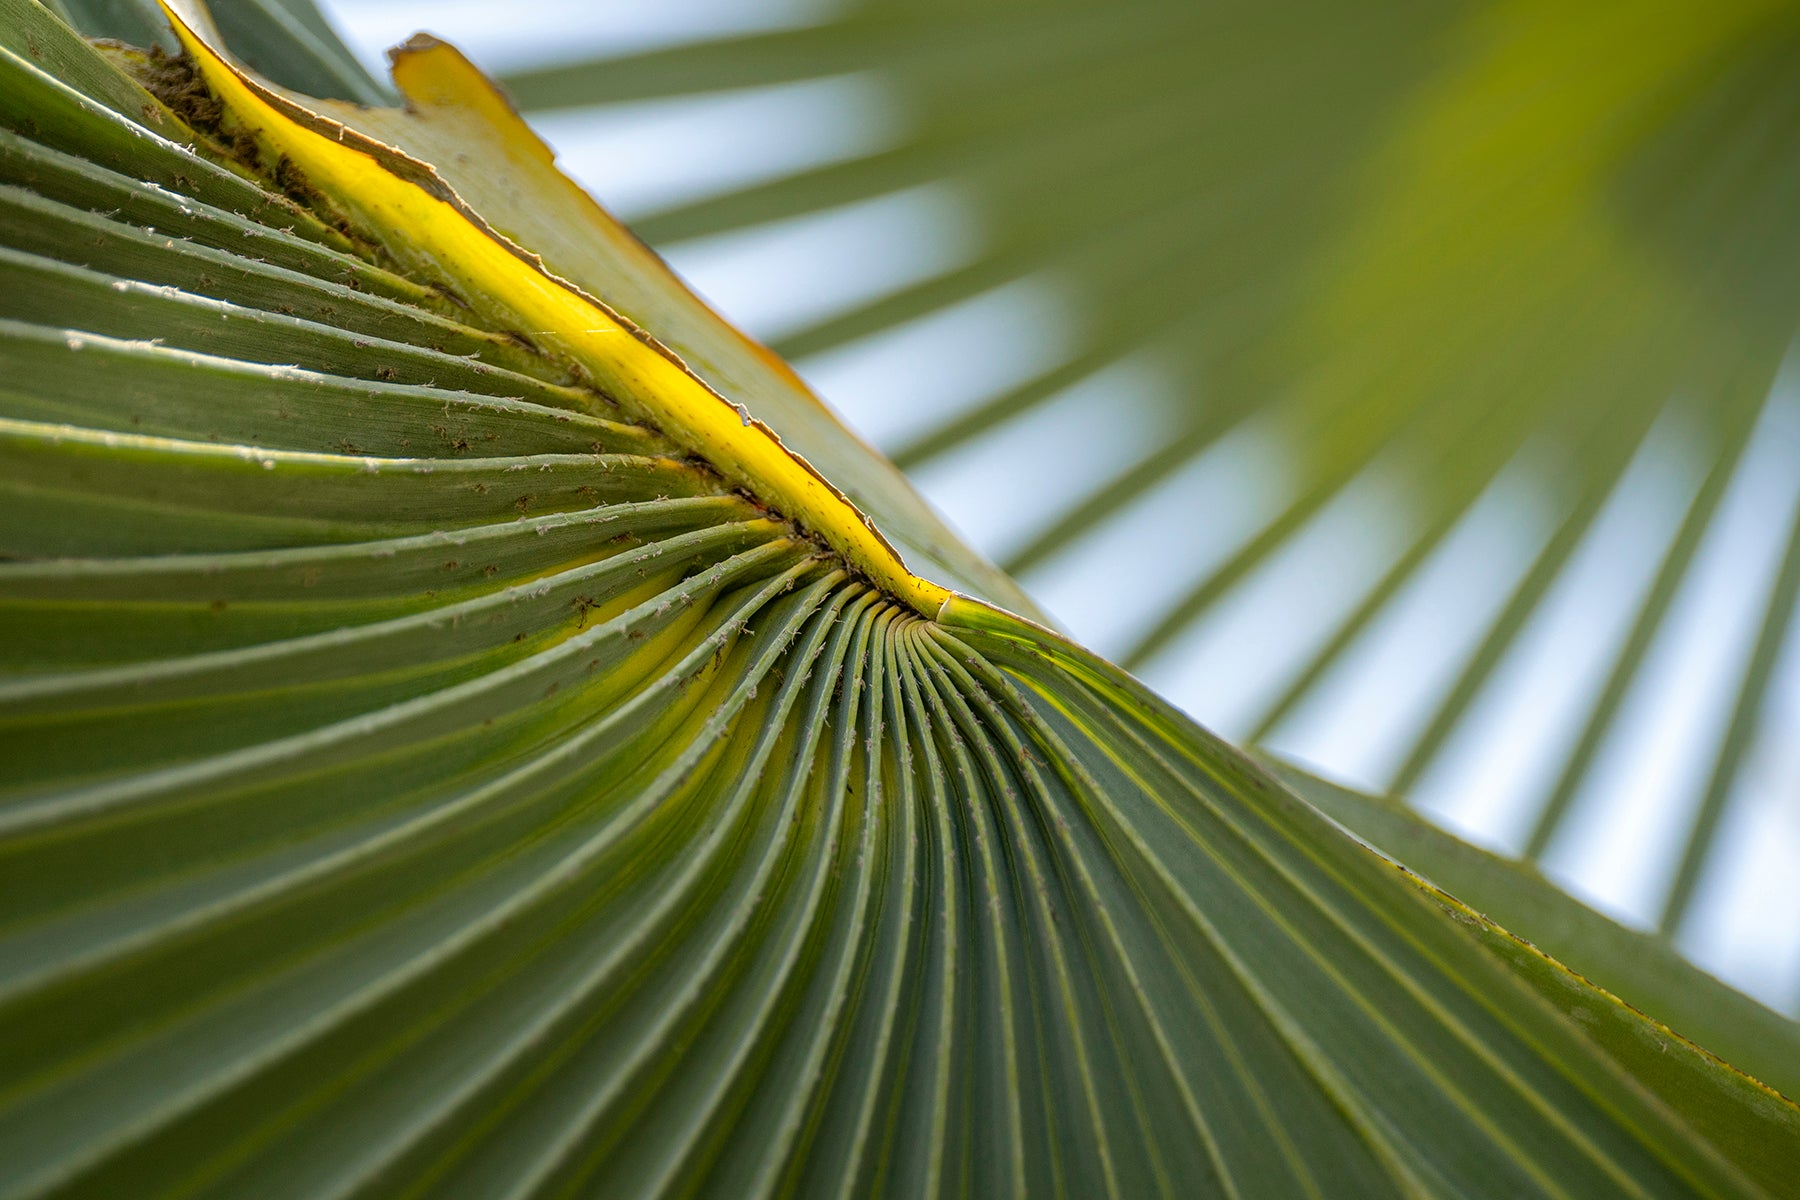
(432, 231)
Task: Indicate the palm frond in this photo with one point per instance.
(1430, 247)
(423, 775)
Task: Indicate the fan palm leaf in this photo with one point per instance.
(1482, 257)
(475, 725)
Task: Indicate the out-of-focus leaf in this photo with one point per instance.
(288, 40)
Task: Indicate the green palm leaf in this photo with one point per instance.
(433, 766)
(1471, 255)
